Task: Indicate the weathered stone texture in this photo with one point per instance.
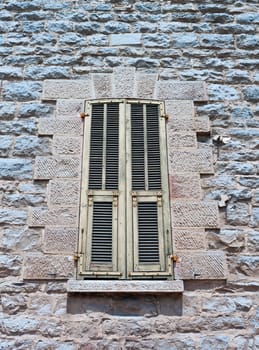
(59, 89)
(189, 239)
(66, 145)
(194, 214)
(209, 265)
(53, 217)
(185, 185)
(50, 167)
(64, 193)
(182, 53)
(60, 239)
(48, 267)
(60, 126)
(197, 160)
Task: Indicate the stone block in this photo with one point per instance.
(195, 214)
(61, 126)
(247, 265)
(69, 108)
(21, 239)
(123, 82)
(238, 214)
(181, 139)
(64, 192)
(67, 89)
(7, 110)
(184, 40)
(40, 217)
(146, 85)
(157, 40)
(12, 217)
(178, 90)
(42, 73)
(17, 127)
(251, 93)
(217, 41)
(202, 125)
(13, 303)
(10, 73)
(62, 167)
(184, 185)
(61, 239)
(102, 85)
(201, 265)
(5, 145)
(219, 92)
(195, 160)
(125, 39)
(35, 110)
(115, 27)
(124, 286)
(181, 116)
(22, 91)
(19, 200)
(31, 146)
(10, 265)
(19, 325)
(48, 267)
(67, 145)
(189, 239)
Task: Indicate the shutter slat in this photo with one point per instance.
(101, 252)
(148, 243)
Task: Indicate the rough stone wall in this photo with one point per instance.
(182, 41)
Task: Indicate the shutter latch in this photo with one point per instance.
(134, 199)
(159, 199)
(115, 199)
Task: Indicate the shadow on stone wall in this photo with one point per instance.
(126, 304)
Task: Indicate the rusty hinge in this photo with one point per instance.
(166, 116)
(83, 115)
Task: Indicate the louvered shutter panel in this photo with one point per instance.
(124, 221)
(103, 185)
(147, 204)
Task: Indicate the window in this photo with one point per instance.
(125, 216)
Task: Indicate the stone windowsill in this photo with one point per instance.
(124, 286)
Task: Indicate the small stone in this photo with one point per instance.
(32, 146)
(10, 73)
(7, 110)
(220, 92)
(35, 110)
(23, 91)
(12, 304)
(41, 73)
(238, 214)
(251, 93)
(5, 145)
(125, 39)
(19, 169)
(18, 127)
(156, 40)
(21, 239)
(10, 265)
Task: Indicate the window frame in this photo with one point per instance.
(125, 212)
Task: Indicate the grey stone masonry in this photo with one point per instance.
(201, 59)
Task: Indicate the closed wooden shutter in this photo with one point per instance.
(124, 229)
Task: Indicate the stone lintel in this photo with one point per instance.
(125, 286)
